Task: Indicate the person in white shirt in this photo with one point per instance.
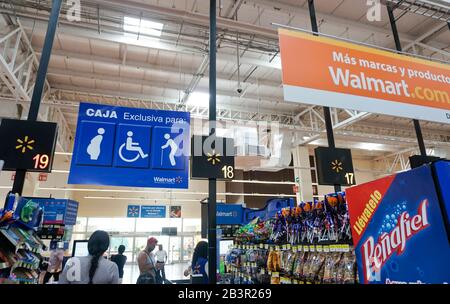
(161, 259)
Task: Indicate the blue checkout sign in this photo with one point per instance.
(153, 211)
(133, 147)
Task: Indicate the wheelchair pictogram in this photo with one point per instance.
(131, 146)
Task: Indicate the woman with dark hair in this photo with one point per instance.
(120, 259)
(199, 266)
(92, 269)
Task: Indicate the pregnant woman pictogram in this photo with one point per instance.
(94, 147)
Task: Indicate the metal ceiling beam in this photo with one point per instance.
(196, 18)
(329, 18)
(432, 9)
(155, 84)
(148, 67)
(18, 69)
(147, 101)
(433, 49)
(79, 31)
(428, 34)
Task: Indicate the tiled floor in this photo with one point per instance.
(173, 272)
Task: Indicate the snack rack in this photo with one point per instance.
(20, 255)
(307, 244)
(298, 264)
(20, 248)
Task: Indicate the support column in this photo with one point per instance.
(19, 180)
(326, 110)
(398, 46)
(212, 183)
(301, 160)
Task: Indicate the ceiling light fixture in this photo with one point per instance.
(200, 99)
(371, 146)
(142, 26)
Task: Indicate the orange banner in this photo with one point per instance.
(329, 72)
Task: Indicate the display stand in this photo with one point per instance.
(20, 247)
(307, 244)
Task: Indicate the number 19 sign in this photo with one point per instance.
(27, 145)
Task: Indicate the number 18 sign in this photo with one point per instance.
(212, 159)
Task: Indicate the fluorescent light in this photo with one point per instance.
(167, 192)
(262, 182)
(306, 137)
(277, 62)
(142, 26)
(316, 142)
(200, 99)
(63, 153)
(371, 146)
(59, 171)
(140, 199)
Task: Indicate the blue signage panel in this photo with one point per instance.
(398, 230)
(443, 178)
(119, 146)
(229, 214)
(133, 210)
(153, 211)
(57, 211)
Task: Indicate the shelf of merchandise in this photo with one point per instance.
(24, 255)
(26, 265)
(4, 265)
(241, 272)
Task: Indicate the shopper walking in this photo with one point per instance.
(120, 259)
(54, 268)
(148, 268)
(161, 259)
(199, 265)
(94, 268)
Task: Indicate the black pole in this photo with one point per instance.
(398, 46)
(45, 58)
(19, 179)
(212, 185)
(326, 110)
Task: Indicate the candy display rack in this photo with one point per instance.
(20, 247)
(307, 244)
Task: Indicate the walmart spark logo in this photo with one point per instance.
(213, 157)
(24, 144)
(336, 165)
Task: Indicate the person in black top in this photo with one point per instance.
(120, 260)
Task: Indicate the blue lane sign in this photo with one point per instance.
(229, 214)
(153, 211)
(133, 211)
(119, 146)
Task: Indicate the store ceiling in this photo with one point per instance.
(112, 67)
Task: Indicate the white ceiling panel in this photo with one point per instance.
(74, 44)
(107, 69)
(79, 65)
(83, 82)
(133, 73)
(104, 48)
